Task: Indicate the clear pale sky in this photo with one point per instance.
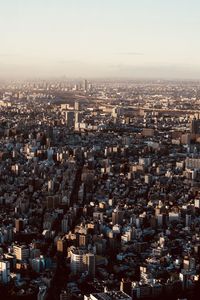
(97, 38)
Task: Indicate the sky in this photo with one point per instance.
(100, 38)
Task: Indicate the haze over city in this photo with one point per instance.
(92, 38)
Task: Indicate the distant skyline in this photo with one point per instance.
(100, 38)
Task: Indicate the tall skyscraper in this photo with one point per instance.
(78, 117)
(77, 261)
(117, 216)
(4, 272)
(83, 240)
(90, 261)
(195, 126)
(81, 261)
(77, 105)
(21, 252)
(62, 246)
(70, 118)
(18, 225)
(85, 85)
